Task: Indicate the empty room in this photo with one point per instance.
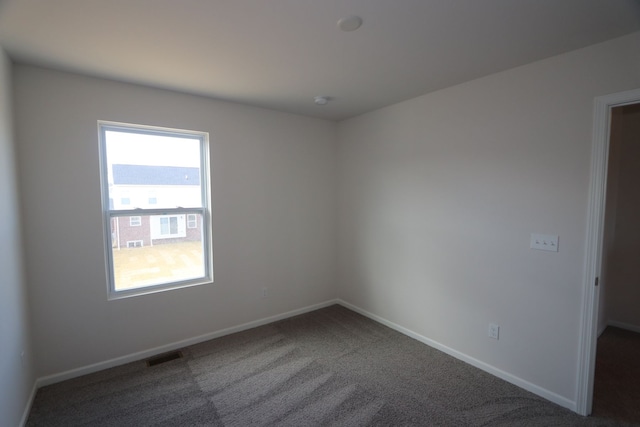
(297, 212)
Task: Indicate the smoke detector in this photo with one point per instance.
(321, 100)
(349, 23)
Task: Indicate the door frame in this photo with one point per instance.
(594, 241)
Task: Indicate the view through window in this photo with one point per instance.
(156, 208)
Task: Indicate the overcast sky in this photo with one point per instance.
(141, 149)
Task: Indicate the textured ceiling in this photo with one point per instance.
(281, 53)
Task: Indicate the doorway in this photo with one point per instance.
(604, 106)
(617, 373)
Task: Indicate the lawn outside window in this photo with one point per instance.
(160, 242)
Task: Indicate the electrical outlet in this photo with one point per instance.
(264, 292)
(494, 331)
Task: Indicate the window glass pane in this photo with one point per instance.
(142, 258)
(140, 164)
(164, 226)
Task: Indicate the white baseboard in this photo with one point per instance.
(73, 373)
(601, 330)
(27, 409)
(542, 392)
(84, 370)
(626, 326)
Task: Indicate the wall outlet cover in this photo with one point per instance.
(494, 331)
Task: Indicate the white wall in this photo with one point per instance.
(16, 376)
(623, 208)
(274, 221)
(438, 197)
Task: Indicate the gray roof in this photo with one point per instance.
(155, 175)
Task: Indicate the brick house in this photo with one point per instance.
(154, 187)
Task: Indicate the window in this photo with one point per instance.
(135, 243)
(170, 233)
(167, 226)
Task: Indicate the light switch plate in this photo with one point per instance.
(544, 242)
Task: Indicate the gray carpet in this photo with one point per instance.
(329, 367)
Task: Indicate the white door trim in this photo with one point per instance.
(593, 252)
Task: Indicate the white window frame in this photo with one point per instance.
(135, 221)
(135, 244)
(204, 210)
(192, 221)
(156, 227)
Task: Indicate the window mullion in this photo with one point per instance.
(149, 212)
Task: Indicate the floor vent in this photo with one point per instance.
(162, 358)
